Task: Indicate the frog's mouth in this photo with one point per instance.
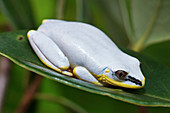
(128, 83)
(134, 80)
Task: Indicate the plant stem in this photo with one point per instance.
(61, 100)
(142, 109)
(4, 76)
(28, 96)
(61, 6)
(79, 10)
(140, 44)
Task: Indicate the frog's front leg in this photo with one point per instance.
(83, 74)
(48, 52)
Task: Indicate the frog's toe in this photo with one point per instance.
(47, 51)
(67, 73)
(83, 74)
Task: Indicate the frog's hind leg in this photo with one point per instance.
(83, 74)
(48, 52)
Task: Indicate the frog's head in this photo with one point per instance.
(126, 75)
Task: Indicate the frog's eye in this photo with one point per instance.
(120, 74)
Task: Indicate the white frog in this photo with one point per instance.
(90, 53)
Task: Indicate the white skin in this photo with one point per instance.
(88, 51)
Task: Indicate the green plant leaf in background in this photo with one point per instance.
(48, 87)
(15, 46)
(131, 18)
(16, 88)
(106, 15)
(18, 12)
(146, 24)
(43, 9)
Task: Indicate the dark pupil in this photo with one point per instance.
(121, 74)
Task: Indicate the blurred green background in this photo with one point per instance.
(28, 14)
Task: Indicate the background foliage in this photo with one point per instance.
(147, 32)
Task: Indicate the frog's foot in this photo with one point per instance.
(83, 74)
(48, 52)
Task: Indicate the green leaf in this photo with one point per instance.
(146, 22)
(15, 46)
(159, 52)
(92, 103)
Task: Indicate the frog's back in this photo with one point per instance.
(91, 48)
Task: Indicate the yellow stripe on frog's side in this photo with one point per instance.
(74, 72)
(105, 79)
(56, 69)
(28, 33)
(64, 68)
(97, 83)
